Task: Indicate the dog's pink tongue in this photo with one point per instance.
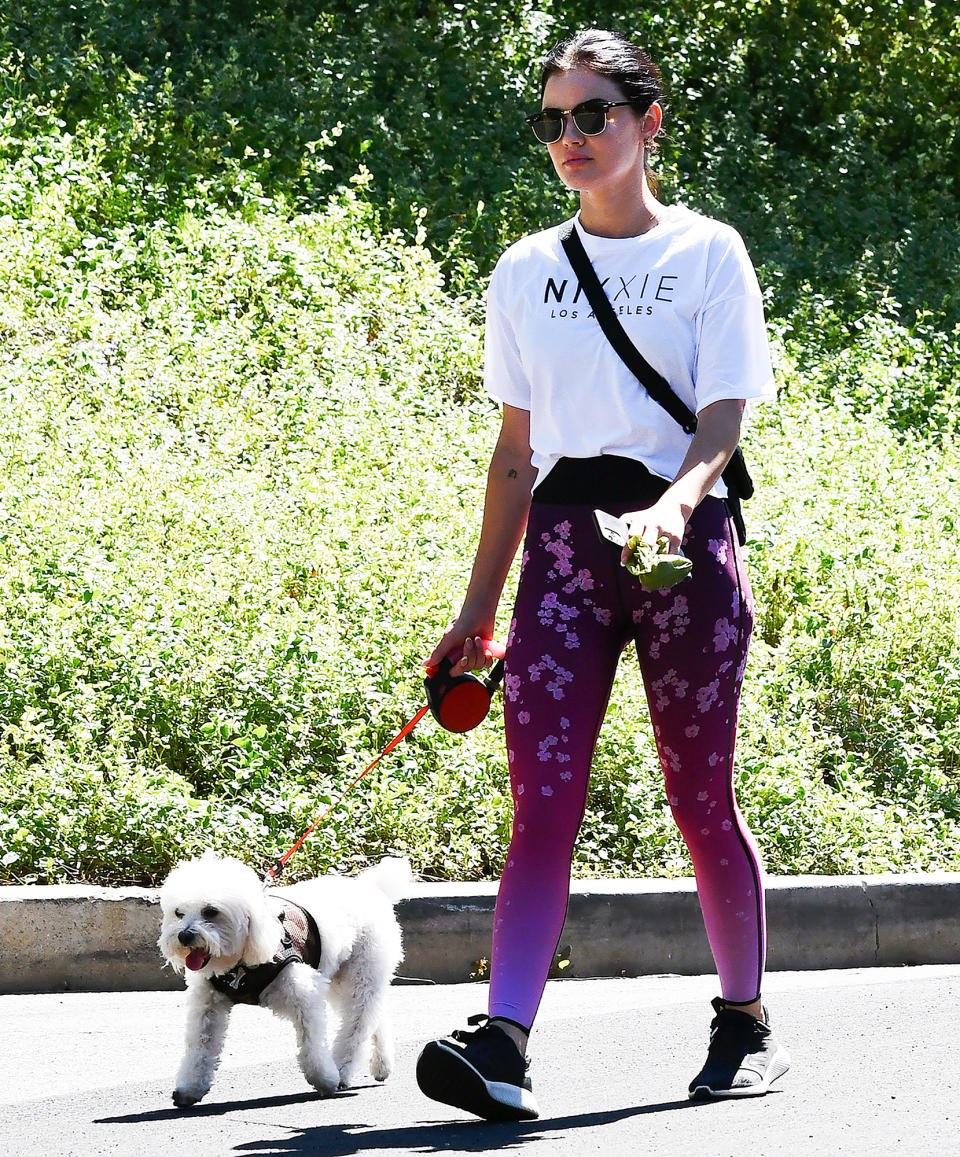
(196, 959)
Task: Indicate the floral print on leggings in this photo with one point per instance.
(576, 611)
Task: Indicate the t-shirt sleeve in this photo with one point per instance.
(732, 353)
(504, 377)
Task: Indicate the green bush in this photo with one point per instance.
(214, 606)
(242, 461)
(825, 130)
(854, 699)
(243, 439)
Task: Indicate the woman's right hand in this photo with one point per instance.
(468, 636)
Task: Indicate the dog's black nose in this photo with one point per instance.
(187, 937)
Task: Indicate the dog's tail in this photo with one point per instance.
(393, 876)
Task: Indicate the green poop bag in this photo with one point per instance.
(654, 566)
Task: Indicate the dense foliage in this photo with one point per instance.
(826, 130)
(242, 436)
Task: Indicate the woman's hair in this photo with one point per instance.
(611, 55)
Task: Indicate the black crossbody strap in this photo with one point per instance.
(735, 474)
(655, 384)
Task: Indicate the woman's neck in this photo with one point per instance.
(624, 212)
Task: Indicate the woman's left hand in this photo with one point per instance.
(718, 432)
(665, 519)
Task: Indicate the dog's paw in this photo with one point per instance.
(325, 1088)
(325, 1079)
(184, 1100)
(348, 1077)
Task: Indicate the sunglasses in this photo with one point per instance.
(590, 118)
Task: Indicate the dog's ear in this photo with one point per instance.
(264, 933)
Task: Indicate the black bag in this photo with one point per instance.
(735, 474)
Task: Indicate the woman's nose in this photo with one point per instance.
(570, 130)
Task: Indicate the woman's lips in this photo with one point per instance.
(575, 162)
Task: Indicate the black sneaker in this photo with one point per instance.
(744, 1058)
(482, 1072)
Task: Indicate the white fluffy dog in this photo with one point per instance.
(292, 950)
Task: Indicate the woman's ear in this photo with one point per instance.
(652, 120)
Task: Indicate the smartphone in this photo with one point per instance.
(612, 528)
(615, 530)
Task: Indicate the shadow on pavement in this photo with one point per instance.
(215, 1109)
(469, 1137)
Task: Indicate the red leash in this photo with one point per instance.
(458, 703)
(278, 867)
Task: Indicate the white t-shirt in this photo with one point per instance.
(686, 294)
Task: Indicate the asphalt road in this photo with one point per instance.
(875, 1071)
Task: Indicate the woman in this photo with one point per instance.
(579, 432)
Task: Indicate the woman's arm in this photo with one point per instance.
(510, 479)
(718, 432)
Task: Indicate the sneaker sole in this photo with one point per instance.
(777, 1067)
(462, 1086)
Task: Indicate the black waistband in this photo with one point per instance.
(606, 478)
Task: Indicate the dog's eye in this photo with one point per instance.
(210, 913)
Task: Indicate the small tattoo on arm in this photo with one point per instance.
(511, 473)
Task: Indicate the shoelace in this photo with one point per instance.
(479, 1036)
(480, 1018)
(744, 1031)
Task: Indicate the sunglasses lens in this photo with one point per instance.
(547, 127)
(590, 118)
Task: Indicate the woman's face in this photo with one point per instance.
(589, 164)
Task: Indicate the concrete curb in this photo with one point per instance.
(84, 939)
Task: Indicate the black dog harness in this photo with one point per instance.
(300, 945)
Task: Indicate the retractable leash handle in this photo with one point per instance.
(461, 702)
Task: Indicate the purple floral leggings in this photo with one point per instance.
(576, 610)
